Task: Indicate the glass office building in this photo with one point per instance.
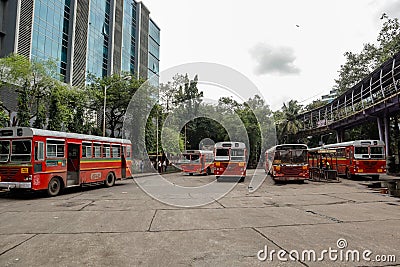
(91, 37)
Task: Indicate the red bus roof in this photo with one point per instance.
(20, 132)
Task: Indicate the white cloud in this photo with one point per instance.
(279, 60)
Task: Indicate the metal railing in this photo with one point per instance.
(378, 87)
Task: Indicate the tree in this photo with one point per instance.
(120, 91)
(33, 81)
(287, 123)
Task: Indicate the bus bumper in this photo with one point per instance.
(18, 185)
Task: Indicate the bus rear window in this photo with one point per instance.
(21, 150)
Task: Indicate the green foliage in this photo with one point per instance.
(119, 92)
(359, 65)
(287, 122)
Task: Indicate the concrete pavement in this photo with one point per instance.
(123, 226)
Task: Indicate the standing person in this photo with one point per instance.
(165, 165)
(141, 166)
(159, 166)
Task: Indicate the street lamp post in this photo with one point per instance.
(126, 78)
(322, 136)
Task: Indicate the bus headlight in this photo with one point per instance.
(28, 178)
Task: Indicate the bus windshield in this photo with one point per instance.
(291, 156)
(21, 150)
(365, 152)
(222, 152)
(4, 150)
(187, 158)
(377, 152)
(237, 155)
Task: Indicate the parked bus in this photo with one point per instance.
(197, 161)
(360, 157)
(287, 162)
(230, 159)
(37, 159)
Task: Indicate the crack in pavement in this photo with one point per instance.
(17, 245)
(276, 244)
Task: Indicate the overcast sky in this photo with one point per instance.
(290, 49)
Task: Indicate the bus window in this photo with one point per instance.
(299, 156)
(55, 149)
(361, 152)
(237, 155)
(128, 151)
(86, 150)
(39, 151)
(116, 151)
(377, 153)
(106, 151)
(222, 152)
(195, 158)
(21, 150)
(96, 150)
(4, 150)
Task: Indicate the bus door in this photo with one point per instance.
(73, 164)
(123, 162)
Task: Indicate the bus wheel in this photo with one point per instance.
(54, 187)
(208, 171)
(348, 174)
(110, 180)
(241, 180)
(190, 174)
(375, 177)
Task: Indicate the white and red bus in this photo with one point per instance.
(197, 161)
(37, 159)
(360, 157)
(287, 162)
(230, 159)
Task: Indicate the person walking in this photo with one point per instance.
(165, 165)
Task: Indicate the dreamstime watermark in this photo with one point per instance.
(340, 253)
(214, 77)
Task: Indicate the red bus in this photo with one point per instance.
(360, 157)
(37, 159)
(197, 161)
(287, 162)
(230, 159)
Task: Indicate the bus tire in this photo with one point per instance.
(110, 180)
(375, 177)
(54, 187)
(208, 171)
(190, 174)
(241, 180)
(348, 174)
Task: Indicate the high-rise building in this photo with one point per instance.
(98, 37)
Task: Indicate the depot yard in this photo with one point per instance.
(123, 226)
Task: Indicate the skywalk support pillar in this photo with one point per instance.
(381, 132)
(386, 124)
(339, 135)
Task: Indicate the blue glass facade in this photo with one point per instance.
(154, 50)
(50, 33)
(98, 38)
(129, 36)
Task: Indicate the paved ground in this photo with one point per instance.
(123, 226)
